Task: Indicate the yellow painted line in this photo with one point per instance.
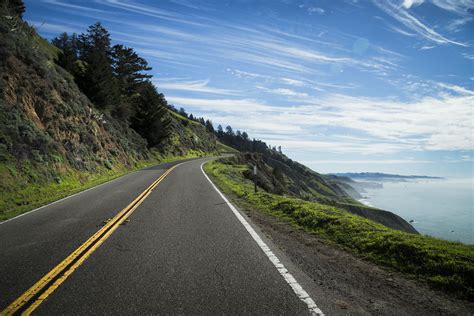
(80, 255)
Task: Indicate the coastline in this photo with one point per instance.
(439, 208)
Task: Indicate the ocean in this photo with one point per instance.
(439, 208)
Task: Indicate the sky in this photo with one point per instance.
(346, 85)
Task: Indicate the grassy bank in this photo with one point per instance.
(22, 194)
(442, 264)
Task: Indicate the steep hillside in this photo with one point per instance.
(278, 174)
(53, 140)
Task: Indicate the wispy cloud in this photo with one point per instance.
(469, 56)
(455, 88)
(409, 3)
(463, 7)
(426, 47)
(312, 9)
(222, 105)
(152, 11)
(286, 92)
(201, 86)
(457, 24)
(69, 6)
(401, 14)
(293, 82)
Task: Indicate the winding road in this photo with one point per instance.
(162, 240)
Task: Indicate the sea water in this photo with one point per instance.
(439, 208)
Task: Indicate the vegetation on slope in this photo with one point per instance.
(443, 264)
(280, 175)
(54, 141)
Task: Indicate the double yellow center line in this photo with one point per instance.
(35, 295)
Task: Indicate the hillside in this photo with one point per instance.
(277, 174)
(53, 140)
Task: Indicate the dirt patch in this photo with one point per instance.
(354, 285)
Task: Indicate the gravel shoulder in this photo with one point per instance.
(356, 286)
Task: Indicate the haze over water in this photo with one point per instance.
(439, 208)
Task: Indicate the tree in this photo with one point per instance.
(229, 130)
(209, 126)
(220, 130)
(98, 81)
(151, 120)
(245, 136)
(69, 56)
(129, 69)
(183, 112)
(17, 7)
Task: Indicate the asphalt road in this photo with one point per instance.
(184, 251)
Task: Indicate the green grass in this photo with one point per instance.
(179, 116)
(32, 192)
(223, 148)
(442, 264)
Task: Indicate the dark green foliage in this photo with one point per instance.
(209, 126)
(129, 69)
(115, 80)
(98, 81)
(53, 140)
(182, 112)
(69, 56)
(15, 7)
(152, 120)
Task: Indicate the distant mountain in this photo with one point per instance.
(381, 176)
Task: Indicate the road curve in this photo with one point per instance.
(184, 251)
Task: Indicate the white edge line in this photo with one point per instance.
(295, 286)
(70, 196)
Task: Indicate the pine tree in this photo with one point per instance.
(69, 46)
(98, 81)
(209, 126)
(151, 120)
(229, 130)
(220, 130)
(182, 112)
(16, 7)
(129, 69)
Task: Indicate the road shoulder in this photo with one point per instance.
(354, 285)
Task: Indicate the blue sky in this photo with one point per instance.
(341, 85)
